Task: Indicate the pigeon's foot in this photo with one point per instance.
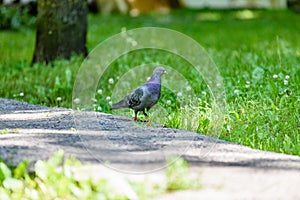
(147, 119)
(138, 120)
(148, 122)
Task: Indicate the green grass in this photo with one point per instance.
(52, 179)
(65, 178)
(259, 59)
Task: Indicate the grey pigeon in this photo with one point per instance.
(145, 96)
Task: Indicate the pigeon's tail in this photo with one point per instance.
(121, 104)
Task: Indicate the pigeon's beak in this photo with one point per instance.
(165, 72)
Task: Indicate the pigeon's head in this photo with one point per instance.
(159, 71)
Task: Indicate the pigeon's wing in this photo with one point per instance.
(135, 98)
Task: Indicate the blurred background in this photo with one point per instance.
(136, 7)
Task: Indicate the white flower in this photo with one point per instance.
(275, 76)
(110, 102)
(108, 98)
(203, 93)
(134, 43)
(285, 82)
(169, 102)
(188, 88)
(134, 12)
(21, 94)
(236, 91)
(248, 82)
(111, 81)
(123, 29)
(179, 94)
(76, 100)
(287, 77)
(32, 193)
(99, 91)
(58, 98)
(247, 86)
(94, 100)
(99, 108)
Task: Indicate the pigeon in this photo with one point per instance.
(145, 96)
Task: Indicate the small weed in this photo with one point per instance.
(9, 131)
(178, 176)
(4, 132)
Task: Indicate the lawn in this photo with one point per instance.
(257, 53)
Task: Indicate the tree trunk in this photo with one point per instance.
(61, 29)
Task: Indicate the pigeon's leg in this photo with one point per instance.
(135, 116)
(146, 115)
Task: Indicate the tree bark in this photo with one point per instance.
(61, 29)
